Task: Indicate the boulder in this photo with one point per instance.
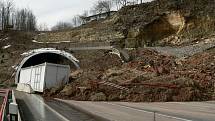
(68, 90)
(76, 74)
(98, 97)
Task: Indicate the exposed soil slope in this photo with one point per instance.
(150, 76)
(161, 22)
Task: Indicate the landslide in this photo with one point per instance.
(149, 77)
(160, 22)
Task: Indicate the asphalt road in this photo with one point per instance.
(35, 108)
(171, 111)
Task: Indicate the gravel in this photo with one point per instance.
(186, 50)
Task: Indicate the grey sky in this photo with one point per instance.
(52, 11)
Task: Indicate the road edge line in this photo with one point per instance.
(51, 109)
(78, 108)
(142, 110)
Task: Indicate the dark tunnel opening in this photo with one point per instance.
(49, 58)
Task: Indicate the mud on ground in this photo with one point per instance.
(150, 76)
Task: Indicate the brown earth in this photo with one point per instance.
(150, 76)
(11, 56)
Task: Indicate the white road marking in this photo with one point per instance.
(168, 116)
(51, 109)
(193, 104)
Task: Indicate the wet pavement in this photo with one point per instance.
(35, 108)
(160, 111)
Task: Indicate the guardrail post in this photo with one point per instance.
(13, 111)
(154, 116)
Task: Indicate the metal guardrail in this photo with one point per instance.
(96, 83)
(114, 85)
(90, 46)
(101, 46)
(155, 85)
(13, 99)
(5, 93)
(8, 101)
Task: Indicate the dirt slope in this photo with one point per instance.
(171, 22)
(150, 76)
(12, 45)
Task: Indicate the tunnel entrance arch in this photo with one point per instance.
(51, 55)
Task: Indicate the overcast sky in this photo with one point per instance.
(53, 11)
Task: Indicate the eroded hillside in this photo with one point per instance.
(183, 72)
(161, 22)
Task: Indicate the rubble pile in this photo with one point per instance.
(150, 77)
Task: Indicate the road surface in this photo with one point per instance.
(171, 111)
(34, 108)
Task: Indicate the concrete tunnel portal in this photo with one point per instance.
(49, 55)
(46, 57)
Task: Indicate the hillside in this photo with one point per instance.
(163, 22)
(150, 75)
(12, 45)
(179, 68)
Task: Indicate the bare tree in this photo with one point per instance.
(78, 20)
(25, 20)
(6, 10)
(122, 3)
(42, 27)
(102, 6)
(141, 1)
(117, 4)
(82, 17)
(2, 7)
(9, 7)
(86, 13)
(31, 21)
(62, 26)
(75, 22)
